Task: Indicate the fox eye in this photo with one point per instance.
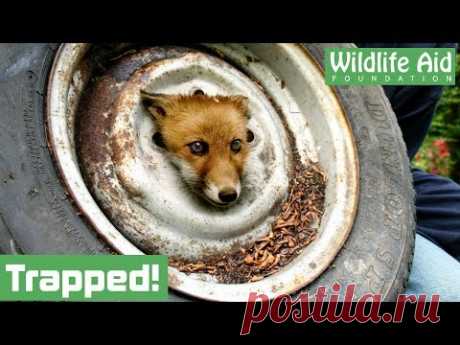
(199, 148)
(235, 145)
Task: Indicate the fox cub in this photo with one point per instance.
(207, 140)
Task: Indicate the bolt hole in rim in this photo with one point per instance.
(286, 81)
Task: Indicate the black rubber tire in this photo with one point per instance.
(377, 255)
(35, 212)
(37, 217)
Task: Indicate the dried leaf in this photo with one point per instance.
(248, 260)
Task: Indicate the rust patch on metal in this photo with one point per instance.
(94, 120)
(121, 147)
(128, 64)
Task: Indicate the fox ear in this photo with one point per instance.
(155, 104)
(242, 103)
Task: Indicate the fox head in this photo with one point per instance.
(207, 139)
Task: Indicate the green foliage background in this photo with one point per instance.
(444, 129)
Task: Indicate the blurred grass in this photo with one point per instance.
(440, 153)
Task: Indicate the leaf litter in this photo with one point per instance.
(295, 227)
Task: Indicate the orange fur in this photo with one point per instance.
(218, 121)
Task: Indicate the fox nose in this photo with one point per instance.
(228, 195)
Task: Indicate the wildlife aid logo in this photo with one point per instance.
(390, 66)
(83, 278)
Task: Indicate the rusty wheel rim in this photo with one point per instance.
(283, 81)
